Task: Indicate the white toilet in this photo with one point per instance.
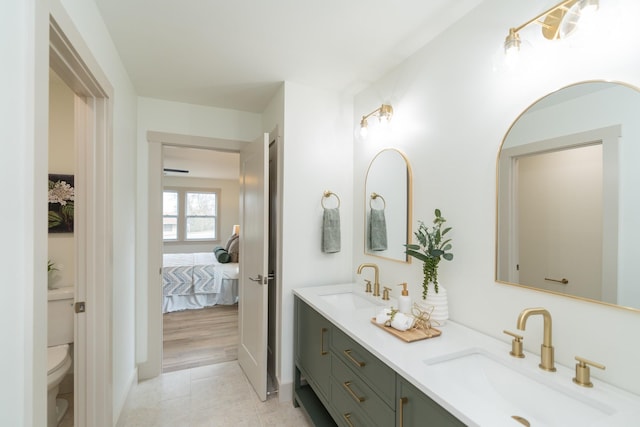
(59, 336)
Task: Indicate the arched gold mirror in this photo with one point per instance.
(568, 203)
(388, 205)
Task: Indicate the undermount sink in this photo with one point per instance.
(521, 394)
(349, 301)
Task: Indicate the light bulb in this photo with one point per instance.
(512, 42)
(363, 128)
(588, 7)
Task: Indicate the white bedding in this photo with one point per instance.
(197, 280)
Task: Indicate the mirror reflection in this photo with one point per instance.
(568, 206)
(388, 205)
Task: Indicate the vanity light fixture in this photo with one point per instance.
(558, 22)
(383, 113)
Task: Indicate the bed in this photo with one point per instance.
(197, 280)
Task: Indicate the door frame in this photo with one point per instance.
(71, 59)
(149, 308)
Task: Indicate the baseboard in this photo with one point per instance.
(118, 407)
(285, 392)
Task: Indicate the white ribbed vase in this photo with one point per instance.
(439, 303)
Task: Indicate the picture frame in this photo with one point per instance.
(61, 196)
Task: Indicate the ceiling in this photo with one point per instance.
(201, 163)
(235, 53)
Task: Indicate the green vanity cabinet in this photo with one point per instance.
(312, 348)
(312, 363)
(339, 382)
(415, 409)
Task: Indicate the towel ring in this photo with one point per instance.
(328, 194)
(375, 196)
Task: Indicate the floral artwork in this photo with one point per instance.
(61, 203)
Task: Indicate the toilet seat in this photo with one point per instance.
(56, 357)
(58, 364)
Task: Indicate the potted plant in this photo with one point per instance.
(433, 246)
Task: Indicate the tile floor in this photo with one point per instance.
(213, 396)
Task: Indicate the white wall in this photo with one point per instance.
(228, 216)
(317, 156)
(23, 166)
(454, 100)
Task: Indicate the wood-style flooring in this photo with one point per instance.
(194, 338)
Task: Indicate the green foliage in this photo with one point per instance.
(431, 248)
(54, 219)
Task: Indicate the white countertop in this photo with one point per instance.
(408, 360)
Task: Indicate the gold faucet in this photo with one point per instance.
(546, 352)
(376, 281)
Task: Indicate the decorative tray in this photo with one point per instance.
(410, 335)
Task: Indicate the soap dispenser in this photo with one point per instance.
(404, 301)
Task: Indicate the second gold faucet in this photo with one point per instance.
(546, 351)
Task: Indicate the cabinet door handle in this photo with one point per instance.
(563, 280)
(323, 352)
(358, 363)
(347, 385)
(403, 401)
(347, 418)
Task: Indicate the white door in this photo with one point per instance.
(560, 220)
(252, 306)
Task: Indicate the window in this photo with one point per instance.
(170, 215)
(189, 214)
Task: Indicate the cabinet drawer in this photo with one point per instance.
(351, 394)
(346, 414)
(380, 377)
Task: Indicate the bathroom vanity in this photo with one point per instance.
(349, 372)
(349, 384)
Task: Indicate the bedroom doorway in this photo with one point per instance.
(150, 324)
(200, 190)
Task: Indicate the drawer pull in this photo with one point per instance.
(357, 362)
(347, 418)
(323, 352)
(347, 385)
(403, 401)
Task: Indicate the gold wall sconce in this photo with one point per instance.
(558, 22)
(383, 113)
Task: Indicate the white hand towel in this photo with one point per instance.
(402, 322)
(383, 316)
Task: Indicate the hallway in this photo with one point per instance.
(207, 396)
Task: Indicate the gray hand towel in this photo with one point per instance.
(377, 230)
(331, 230)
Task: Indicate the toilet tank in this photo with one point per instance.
(60, 316)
